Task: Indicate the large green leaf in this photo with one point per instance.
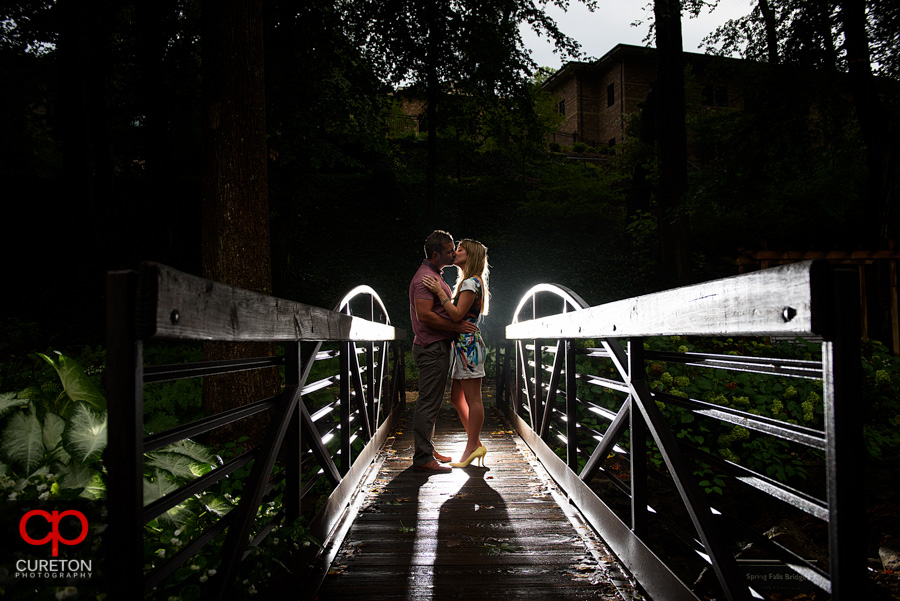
(179, 466)
(159, 486)
(184, 459)
(54, 426)
(9, 401)
(85, 435)
(216, 504)
(23, 441)
(84, 477)
(194, 450)
(77, 385)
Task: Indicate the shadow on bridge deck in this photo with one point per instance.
(498, 532)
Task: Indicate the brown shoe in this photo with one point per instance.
(432, 467)
(442, 458)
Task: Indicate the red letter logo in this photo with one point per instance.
(54, 536)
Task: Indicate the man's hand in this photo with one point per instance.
(465, 327)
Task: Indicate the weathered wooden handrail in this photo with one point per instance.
(803, 299)
(158, 302)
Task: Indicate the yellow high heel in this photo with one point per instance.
(478, 453)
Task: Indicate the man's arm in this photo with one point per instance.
(428, 317)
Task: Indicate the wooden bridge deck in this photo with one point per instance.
(499, 532)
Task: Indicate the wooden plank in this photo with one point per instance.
(775, 301)
(177, 305)
(496, 532)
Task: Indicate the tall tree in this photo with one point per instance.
(467, 47)
(671, 139)
(871, 119)
(236, 247)
(854, 37)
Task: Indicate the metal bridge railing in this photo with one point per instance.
(542, 395)
(160, 303)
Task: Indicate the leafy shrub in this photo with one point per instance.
(796, 401)
(52, 440)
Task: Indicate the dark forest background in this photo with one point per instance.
(106, 113)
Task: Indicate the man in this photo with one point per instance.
(431, 348)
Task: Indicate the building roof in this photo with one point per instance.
(617, 54)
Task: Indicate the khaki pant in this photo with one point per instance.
(433, 362)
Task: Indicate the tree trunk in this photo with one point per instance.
(236, 247)
(152, 17)
(674, 223)
(770, 24)
(875, 219)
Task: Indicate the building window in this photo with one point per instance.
(714, 96)
(561, 107)
(610, 94)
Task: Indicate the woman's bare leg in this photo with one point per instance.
(471, 391)
(458, 400)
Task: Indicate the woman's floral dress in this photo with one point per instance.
(467, 356)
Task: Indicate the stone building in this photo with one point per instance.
(597, 97)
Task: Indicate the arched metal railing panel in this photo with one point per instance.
(162, 303)
(608, 341)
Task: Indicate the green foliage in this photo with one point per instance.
(796, 401)
(881, 398)
(22, 443)
(571, 194)
(49, 454)
(168, 404)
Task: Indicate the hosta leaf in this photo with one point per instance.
(54, 426)
(179, 466)
(9, 401)
(85, 435)
(75, 382)
(23, 442)
(216, 504)
(159, 487)
(85, 477)
(194, 450)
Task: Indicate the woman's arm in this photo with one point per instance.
(456, 312)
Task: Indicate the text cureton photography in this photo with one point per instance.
(54, 568)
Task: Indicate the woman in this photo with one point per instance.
(470, 302)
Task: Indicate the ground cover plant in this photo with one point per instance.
(796, 401)
(52, 438)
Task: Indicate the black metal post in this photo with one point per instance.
(293, 370)
(123, 457)
(371, 383)
(843, 431)
(537, 399)
(553, 386)
(638, 445)
(345, 350)
(571, 406)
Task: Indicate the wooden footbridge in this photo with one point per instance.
(595, 487)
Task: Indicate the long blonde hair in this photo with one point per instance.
(476, 265)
